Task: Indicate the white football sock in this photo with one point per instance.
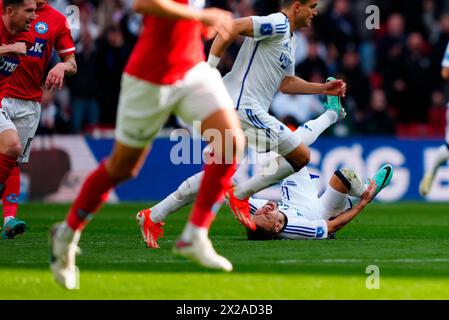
(333, 202)
(184, 195)
(312, 129)
(191, 231)
(257, 183)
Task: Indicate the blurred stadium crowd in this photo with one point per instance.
(393, 73)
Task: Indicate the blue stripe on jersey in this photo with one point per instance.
(250, 116)
(252, 207)
(350, 203)
(313, 176)
(301, 227)
(257, 123)
(301, 234)
(300, 231)
(246, 74)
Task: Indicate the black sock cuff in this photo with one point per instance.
(343, 179)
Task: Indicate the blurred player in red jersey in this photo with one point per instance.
(16, 19)
(22, 97)
(166, 73)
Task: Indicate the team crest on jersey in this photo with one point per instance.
(38, 49)
(197, 4)
(8, 65)
(41, 27)
(266, 29)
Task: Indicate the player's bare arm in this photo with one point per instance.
(445, 73)
(241, 26)
(55, 78)
(344, 218)
(219, 20)
(18, 48)
(296, 85)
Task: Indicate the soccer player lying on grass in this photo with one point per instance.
(303, 215)
(185, 194)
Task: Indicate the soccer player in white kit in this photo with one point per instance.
(302, 214)
(264, 65)
(443, 152)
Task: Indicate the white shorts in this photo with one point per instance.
(266, 133)
(144, 108)
(24, 117)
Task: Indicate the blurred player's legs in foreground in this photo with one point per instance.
(198, 97)
(150, 219)
(442, 157)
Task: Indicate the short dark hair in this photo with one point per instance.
(260, 235)
(8, 3)
(287, 3)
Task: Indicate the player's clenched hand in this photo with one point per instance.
(55, 78)
(218, 20)
(18, 48)
(335, 88)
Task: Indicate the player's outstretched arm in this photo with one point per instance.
(241, 26)
(18, 48)
(344, 218)
(55, 78)
(296, 85)
(218, 19)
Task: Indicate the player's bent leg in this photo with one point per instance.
(124, 163)
(194, 242)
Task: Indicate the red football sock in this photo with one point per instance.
(94, 192)
(6, 165)
(217, 178)
(11, 194)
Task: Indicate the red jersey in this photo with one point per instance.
(9, 63)
(166, 49)
(49, 30)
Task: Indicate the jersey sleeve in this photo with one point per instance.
(300, 228)
(274, 25)
(255, 204)
(64, 44)
(445, 63)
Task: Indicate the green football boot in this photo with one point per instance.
(13, 227)
(333, 103)
(383, 177)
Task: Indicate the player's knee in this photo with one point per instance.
(13, 149)
(300, 159)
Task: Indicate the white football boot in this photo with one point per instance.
(200, 250)
(64, 247)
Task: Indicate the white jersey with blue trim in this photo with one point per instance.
(445, 62)
(301, 205)
(262, 63)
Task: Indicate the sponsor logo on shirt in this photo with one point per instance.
(41, 27)
(266, 29)
(286, 61)
(8, 65)
(38, 49)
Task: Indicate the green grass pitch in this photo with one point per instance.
(409, 242)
